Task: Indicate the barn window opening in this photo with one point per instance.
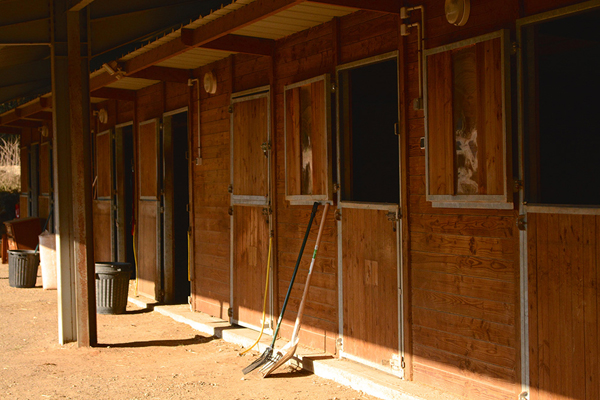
(369, 156)
(562, 134)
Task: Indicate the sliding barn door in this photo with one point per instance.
(102, 203)
(250, 206)
(148, 228)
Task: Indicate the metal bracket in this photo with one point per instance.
(517, 185)
(337, 215)
(521, 222)
(336, 187)
(393, 216)
(230, 312)
(230, 109)
(514, 48)
(267, 211)
(230, 188)
(230, 211)
(266, 147)
(524, 396)
(339, 343)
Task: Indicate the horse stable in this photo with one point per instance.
(462, 244)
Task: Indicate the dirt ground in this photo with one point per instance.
(142, 355)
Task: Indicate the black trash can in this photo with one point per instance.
(112, 287)
(23, 268)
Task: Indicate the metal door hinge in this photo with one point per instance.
(339, 343)
(230, 312)
(333, 86)
(336, 187)
(230, 211)
(521, 222)
(266, 147)
(514, 48)
(524, 396)
(187, 207)
(267, 211)
(230, 109)
(393, 216)
(396, 130)
(396, 363)
(337, 215)
(162, 210)
(517, 185)
(230, 188)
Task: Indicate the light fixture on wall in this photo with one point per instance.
(102, 115)
(44, 131)
(457, 11)
(117, 73)
(210, 83)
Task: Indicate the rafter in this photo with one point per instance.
(234, 43)
(164, 74)
(113, 93)
(384, 6)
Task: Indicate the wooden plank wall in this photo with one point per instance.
(563, 252)
(464, 262)
(211, 198)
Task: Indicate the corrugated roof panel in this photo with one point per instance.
(132, 83)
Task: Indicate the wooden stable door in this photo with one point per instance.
(103, 194)
(370, 287)
(147, 228)
(564, 306)
(250, 206)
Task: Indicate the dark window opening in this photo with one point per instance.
(368, 144)
(563, 134)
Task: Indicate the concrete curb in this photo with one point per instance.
(343, 372)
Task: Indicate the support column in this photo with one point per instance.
(72, 176)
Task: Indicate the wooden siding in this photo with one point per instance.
(211, 199)
(563, 252)
(464, 263)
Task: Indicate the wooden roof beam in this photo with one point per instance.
(164, 74)
(40, 116)
(228, 23)
(24, 123)
(9, 130)
(215, 29)
(233, 43)
(384, 6)
(114, 94)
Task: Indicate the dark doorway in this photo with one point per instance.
(563, 60)
(368, 143)
(128, 164)
(177, 284)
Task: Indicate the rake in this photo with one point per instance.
(266, 355)
(288, 351)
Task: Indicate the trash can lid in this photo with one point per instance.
(113, 265)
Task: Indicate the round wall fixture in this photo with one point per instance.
(210, 83)
(103, 116)
(457, 11)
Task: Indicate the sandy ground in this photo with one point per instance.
(142, 355)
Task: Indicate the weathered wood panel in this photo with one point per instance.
(563, 287)
(370, 288)
(441, 138)
(102, 231)
(250, 131)
(148, 159)
(103, 165)
(45, 168)
(249, 263)
(147, 248)
(24, 169)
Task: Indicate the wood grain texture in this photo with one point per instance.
(440, 140)
(103, 165)
(102, 229)
(148, 159)
(147, 249)
(564, 318)
(371, 320)
(250, 248)
(45, 168)
(250, 131)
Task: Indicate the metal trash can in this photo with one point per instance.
(22, 268)
(112, 287)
